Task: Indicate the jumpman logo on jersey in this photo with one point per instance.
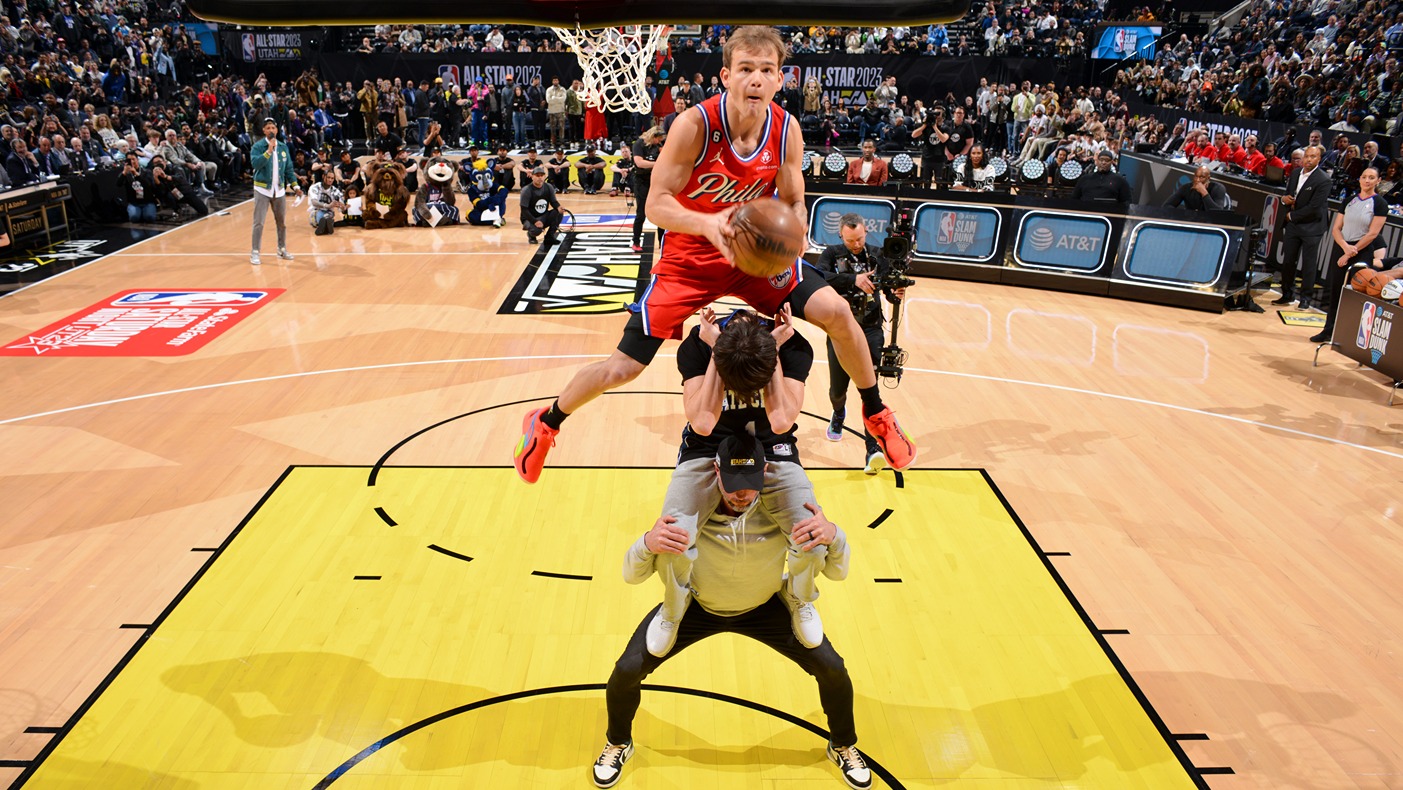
(717, 159)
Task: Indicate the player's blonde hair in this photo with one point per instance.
(754, 38)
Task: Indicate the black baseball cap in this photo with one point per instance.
(267, 121)
(742, 462)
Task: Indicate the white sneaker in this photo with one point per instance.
(808, 626)
(284, 254)
(849, 760)
(610, 765)
(254, 259)
(661, 636)
(876, 462)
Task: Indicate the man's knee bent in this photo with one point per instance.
(826, 665)
(827, 310)
(619, 369)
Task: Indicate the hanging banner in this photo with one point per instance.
(264, 47)
(845, 79)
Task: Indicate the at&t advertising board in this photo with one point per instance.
(1048, 240)
(825, 218)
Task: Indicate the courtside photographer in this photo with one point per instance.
(854, 269)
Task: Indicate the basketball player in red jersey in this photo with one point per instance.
(733, 148)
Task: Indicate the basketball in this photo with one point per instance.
(769, 237)
(1376, 284)
(1363, 282)
(1392, 290)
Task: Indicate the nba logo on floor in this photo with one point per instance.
(189, 298)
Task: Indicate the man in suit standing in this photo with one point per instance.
(1307, 195)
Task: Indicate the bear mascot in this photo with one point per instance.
(434, 203)
(489, 200)
(386, 199)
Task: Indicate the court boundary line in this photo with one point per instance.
(1194, 773)
(560, 357)
(196, 221)
(146, 634)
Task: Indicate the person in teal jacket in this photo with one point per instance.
(272, 177)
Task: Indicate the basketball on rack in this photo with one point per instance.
(1392, 290)
(769, 238)
(1363, 282)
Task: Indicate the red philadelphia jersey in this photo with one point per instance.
(691, 273)
(722, 178)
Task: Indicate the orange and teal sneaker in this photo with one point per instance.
(896, 443)
(536, 440)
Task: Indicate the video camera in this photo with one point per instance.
(897, 252)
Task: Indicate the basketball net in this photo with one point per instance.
(615, 60)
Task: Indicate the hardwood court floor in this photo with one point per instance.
(1231, 507)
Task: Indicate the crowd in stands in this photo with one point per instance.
(1326, 63)
(1021, 28)
(93, 83)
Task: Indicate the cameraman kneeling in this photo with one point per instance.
(849, 267)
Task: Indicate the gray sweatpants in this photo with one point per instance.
(692, 496)
(260, 213)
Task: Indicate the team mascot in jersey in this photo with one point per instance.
(489, 200)
(386, 199)
(434, 203)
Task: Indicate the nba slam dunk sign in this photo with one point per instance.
(143, 324)
(1364, 333)
(957, 232)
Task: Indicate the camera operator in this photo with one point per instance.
(849, 267)
(139, 191)
(171, 190)
(932, 147)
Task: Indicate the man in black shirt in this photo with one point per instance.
(932, 148)
(679, 106)
(348, 174)
(958, 136)
(529, 163)
(540, 208)
(1102, 183)
(386, 141)
(558, 171)
(645, 155)
(139, 191)
(849, 267)
(503, 167)
(1201, 194)
(173, 192)
(590, 171)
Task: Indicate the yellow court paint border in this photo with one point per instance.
(1192, 774)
